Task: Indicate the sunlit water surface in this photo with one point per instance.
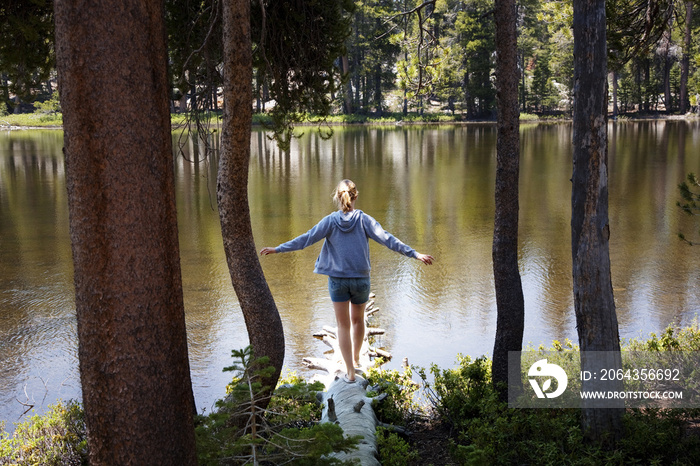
(430, 186)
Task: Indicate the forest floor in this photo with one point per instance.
(431, 439)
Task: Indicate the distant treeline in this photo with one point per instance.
(396, 56)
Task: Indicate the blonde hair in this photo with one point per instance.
(344, 195)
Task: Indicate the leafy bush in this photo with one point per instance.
(487, 431)
(400, 404)
(680, 339)
(393, 450)
(56, 438)
(241, 431)
(48, 107)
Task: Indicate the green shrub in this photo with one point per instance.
(56, 438)
(394, 450)
(48, 107)
(400, 404)
(240, 431)
(487, 431)
(528, 117)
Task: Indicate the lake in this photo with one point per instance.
(430, 186)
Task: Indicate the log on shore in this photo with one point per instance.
(348, 405)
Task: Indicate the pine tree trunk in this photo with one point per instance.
(596, 319)
(259, 310)
(509, 292)
(132, 343)
(685, 61)
(345, 64)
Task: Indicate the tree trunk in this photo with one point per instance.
(378, 90)
(132, 343)
(509, 292)
(685, 61)
(596, 319)
(668, 102)
(259, 310)
(616, 110)
(345, 64)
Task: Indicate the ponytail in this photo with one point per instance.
(344, 195)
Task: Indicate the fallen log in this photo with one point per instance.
(333, 365)
(347, 404)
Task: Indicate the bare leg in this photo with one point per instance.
(342, 317)
(357, 317)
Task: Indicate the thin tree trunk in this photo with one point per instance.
(345, 64)
(616, 110)
(685, 61)
(668, 102)
(596, 320)
(509, 292)
(259, 310)
(132, 342)
(378, 90)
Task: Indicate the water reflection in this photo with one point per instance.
(430, 186)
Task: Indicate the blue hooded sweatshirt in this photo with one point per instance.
(345, 253)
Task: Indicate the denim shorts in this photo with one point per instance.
(355, 290)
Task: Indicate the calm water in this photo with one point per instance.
(432, 187)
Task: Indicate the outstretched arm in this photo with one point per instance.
(315, 234)
(375, 231)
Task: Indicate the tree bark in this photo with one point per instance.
(509, 292)
(259, 310)
(616, 110)
(685, 60)
(668, 102)
(596, 319)
(345, 65)
(132, 342)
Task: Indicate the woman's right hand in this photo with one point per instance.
(266, 251)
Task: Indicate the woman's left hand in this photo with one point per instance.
(425, 258)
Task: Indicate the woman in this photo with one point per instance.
(345, 259)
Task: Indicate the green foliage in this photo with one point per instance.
(400, 404)
(459, 394)
(32, 120)
(528, 117)
(678, 339)
(296, 45)
(294, 402)
(690, 192)
(27, 55)
(489, 432)
(240, 431)
(48, 108)
(58, 438)
(394, 450)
